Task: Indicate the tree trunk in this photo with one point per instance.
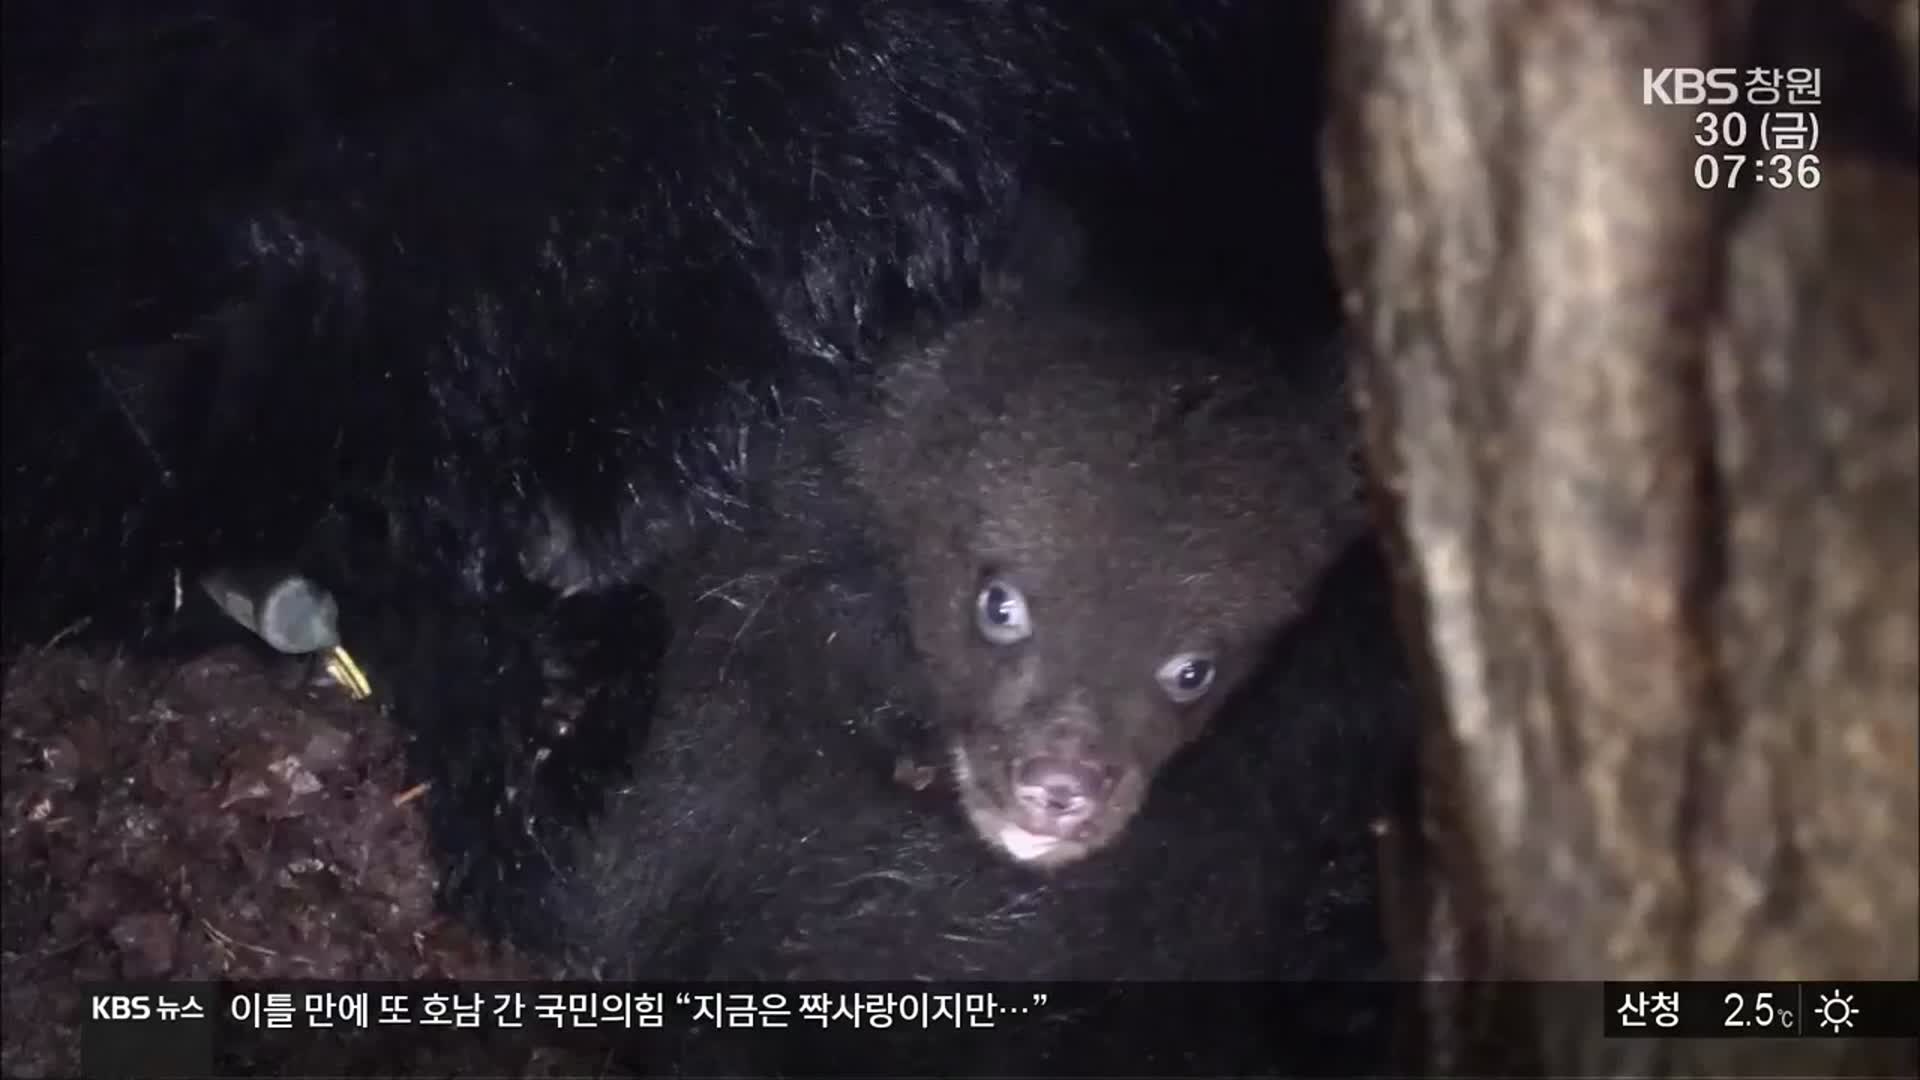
(1650, 453)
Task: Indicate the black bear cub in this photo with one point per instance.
(1098, 538)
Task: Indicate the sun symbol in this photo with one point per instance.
(1836, 1010)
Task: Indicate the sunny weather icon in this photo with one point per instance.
(1836, 1010)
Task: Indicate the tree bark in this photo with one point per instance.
(1651, 455)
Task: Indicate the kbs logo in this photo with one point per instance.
(1689, 86)
(122, 1007)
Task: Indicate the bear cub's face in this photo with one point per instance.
(1078, 683)
(1098, 540)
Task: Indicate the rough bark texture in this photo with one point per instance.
(1651, 454)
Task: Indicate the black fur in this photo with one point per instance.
(778, 828)
(457, 267)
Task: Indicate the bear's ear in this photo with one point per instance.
(1045, 257)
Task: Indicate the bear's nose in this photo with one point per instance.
(1057, 794)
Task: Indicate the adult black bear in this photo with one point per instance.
(378, 291)
(456, 266)
(923, 712)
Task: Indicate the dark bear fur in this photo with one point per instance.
(385, 293)
(453, 270)
(798, 813)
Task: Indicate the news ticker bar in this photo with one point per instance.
(1639, 1010)
(152, 1030)
(207, 1029)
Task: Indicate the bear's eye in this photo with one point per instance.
(1186, 677)
(1001, 613)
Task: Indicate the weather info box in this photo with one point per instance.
(160, 1029)
(1761, 1010)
